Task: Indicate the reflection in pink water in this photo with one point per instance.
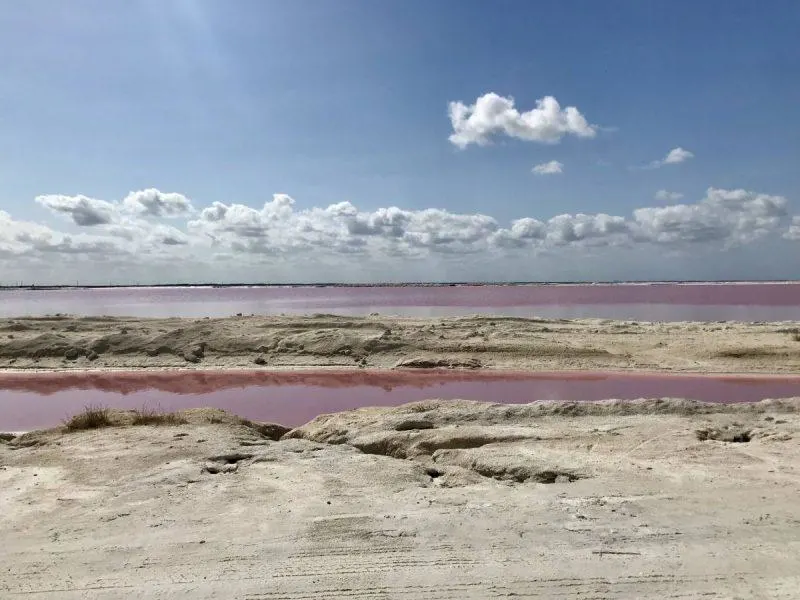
(40, 400)
(652, 302)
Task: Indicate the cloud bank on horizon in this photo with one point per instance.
(133, 232)
(151, 230)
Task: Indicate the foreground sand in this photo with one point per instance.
(647, 499)
(62, 343)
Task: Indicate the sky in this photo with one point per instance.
(265, 141)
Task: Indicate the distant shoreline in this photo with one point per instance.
(33, 287)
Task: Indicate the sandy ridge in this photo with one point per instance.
(329, 341)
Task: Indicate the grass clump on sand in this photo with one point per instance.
(148, 416)
(796, 337)
(92, 417)
(97, 417)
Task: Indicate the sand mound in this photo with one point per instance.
(45, 345)
(99, 418)
(418, 418)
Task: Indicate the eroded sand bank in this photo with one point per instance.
(646, 499)
(481, 342)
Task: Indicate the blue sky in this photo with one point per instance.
(347, 101)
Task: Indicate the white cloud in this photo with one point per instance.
(114, 234)
(14, 234)
(322, 243)
(730, 217)
(599, 229)
(667, 196)
(153, 203)
(26, 238)
(673, 157)
(493, 114)
(168, 236)
(91, 212)
(677, 155)
(549, 168)
(277, 228)
(84, 211)
(147, 235)
(523, 232)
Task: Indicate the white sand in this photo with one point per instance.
(428, 501)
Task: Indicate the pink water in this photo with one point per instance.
(651, 302)
(30, 401)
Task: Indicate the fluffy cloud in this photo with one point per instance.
(677, 155)
(726, 217)
(91, 212)
(14, 235)
(295, 242)
(600, 229)
(153, 203)
(118, 229)
(23, 238)
(667, 196)
(673, 157)
(493, 114)
(549, 168)
(146, 234)
(730, 217)
(83, 211)
(277, 228)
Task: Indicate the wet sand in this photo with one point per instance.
(481, 342)
(647, 499)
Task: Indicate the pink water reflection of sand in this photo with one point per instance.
(29, 401)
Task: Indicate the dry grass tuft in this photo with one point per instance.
(92, 417)
(148, 416)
